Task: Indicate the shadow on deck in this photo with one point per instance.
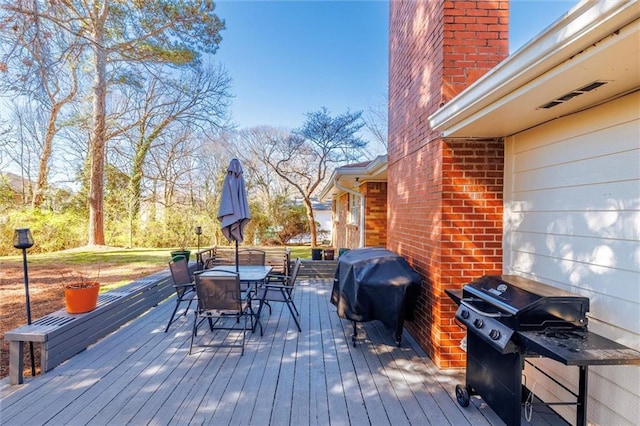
(141, 375)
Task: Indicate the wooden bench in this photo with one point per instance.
(277, 257)
(62, 335)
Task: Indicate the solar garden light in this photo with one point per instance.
(22, 239)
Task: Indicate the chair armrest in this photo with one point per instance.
(184, 285)
(276, 277)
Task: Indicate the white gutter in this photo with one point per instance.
(359, 195)
(377, 165)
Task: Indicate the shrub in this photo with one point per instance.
(51, 231)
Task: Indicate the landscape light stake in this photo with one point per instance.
(198, 256)
(23, 240)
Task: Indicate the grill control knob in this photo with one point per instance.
(494, 334)
(478, 323)
(464, 314)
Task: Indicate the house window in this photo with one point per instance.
(354, 209)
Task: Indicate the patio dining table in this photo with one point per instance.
(247, 273)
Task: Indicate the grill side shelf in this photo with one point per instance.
(455, 295)
(582, 349)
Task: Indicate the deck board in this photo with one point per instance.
(141, 375)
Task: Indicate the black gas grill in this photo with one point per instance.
(509, 318)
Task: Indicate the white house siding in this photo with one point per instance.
(572, 220)
(325, 219)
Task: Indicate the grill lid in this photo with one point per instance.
(529, 301)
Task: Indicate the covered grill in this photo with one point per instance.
(509, 318)
(374, 283)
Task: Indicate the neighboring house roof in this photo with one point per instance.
(348, 175)
(15, 182)
(315, 203)
(556, 74)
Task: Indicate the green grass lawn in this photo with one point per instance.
(94, 263)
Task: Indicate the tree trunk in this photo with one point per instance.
(312, 222)
(98, 144)
(45, 155)
(135, 184)
(43, 167)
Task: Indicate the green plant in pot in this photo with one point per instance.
(183, 236)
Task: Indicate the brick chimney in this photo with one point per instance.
(444, 196)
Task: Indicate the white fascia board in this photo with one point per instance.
(374, 167)
(328, 187)
(587, 23)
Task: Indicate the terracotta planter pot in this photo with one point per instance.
(81, 297)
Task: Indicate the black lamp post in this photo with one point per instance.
(198, 233)
(23, 240)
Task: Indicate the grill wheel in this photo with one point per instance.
(462, 395)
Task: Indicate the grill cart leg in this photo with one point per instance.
(354, 338)
(581, 412)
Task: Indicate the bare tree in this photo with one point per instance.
(40, 63)
(376, 121)
(24, 143)
(152, 31)
(266, 187)
(304, 157)
(197, 99)
(249, 146)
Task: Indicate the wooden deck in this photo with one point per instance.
(140, 375)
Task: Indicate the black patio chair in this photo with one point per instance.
(251, 256)
(184, 287)
(280, 289)
(222, 305)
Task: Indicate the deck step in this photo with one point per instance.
(317, 268)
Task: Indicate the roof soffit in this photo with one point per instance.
(586, 44)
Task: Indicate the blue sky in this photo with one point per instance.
(287, 58)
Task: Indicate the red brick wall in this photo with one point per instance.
(375, 217)
(346, 235)
(445, 196)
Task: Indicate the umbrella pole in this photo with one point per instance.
(237, 256)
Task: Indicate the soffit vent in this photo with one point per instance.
(567, 96)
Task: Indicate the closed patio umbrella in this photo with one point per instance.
(234, 207)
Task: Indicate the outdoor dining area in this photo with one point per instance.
(142, 375)
(235, 344)
(226, 296)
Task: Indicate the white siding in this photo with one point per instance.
(572, 220)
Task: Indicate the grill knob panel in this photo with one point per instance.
(494, 334)
(478, 323)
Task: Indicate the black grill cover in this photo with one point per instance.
(375, 284)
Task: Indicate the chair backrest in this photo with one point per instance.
(219, 292)
(294, 272)
(180, 271)
(251, 257)
(286, 257)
